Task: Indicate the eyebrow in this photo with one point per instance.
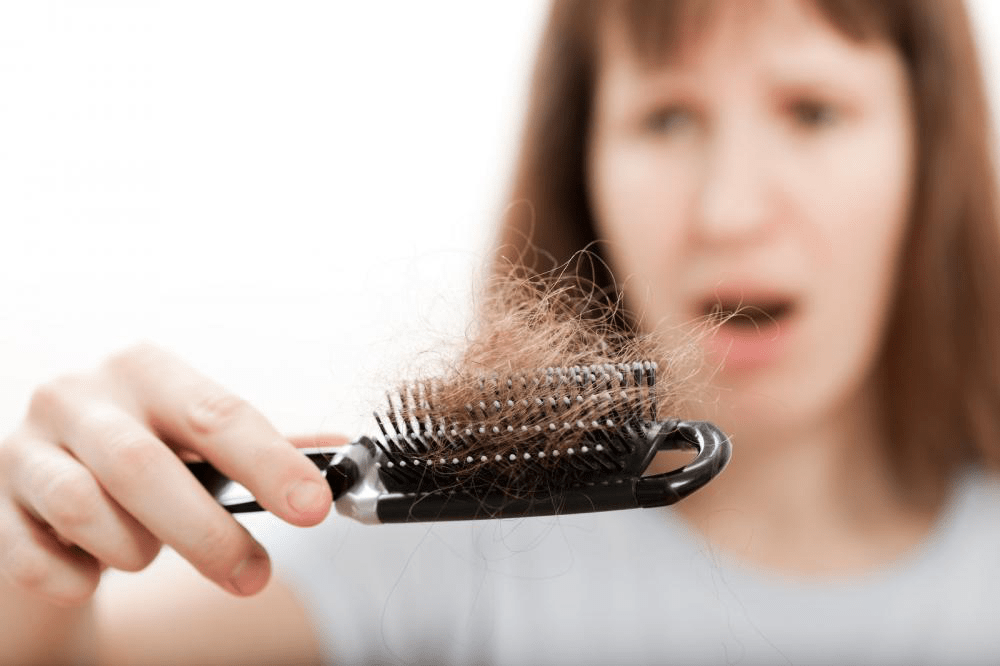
(806, 80)
(817, 81)
(815, 71)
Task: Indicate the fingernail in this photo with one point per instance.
(250, 574)
(305, 495)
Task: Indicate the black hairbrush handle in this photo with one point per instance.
(714, 452)
(340, 471)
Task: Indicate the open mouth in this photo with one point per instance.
(749, 314)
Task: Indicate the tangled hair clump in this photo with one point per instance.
(527, 322)
(549, 364)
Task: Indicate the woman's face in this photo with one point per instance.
(768, 166)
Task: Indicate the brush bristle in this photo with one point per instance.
(550, 428)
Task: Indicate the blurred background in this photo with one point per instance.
(296, 198)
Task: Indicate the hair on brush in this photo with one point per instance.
(551, 407)
(549, 365)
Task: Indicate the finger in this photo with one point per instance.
(325, 440)
(143, 475)
(53, 404)
(33, 560)
(55, 488)
(188, 408)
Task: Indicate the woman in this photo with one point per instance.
(826, 165)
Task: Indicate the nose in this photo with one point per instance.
(734, 190)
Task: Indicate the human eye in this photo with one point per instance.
(811, 113)
(667, 119)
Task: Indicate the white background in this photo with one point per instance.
(292, 196)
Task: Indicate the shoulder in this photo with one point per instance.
(971, 519)
(962, 564)
(978, 489)
(959, 582)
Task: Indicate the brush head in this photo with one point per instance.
(524, 434)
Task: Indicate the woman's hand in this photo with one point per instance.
(93, 478)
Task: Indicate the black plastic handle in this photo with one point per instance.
(714, 452)
(341, 474)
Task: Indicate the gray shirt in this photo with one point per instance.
(636, 587)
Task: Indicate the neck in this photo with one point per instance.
(816, 499)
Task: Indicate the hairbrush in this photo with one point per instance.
(545, 442)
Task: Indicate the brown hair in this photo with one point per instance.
(941, 354)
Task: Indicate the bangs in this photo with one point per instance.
(659, 30)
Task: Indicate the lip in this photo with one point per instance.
(745, 344)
